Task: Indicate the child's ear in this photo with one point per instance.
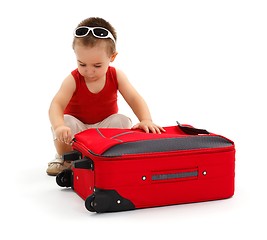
(113, 56)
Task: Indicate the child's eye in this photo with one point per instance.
(97, 66)
(82, 65)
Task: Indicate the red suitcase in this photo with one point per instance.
(125, 169)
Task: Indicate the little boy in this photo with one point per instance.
(87, 97)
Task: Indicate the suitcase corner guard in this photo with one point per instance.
(107, 201)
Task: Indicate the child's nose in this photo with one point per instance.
(90, 70)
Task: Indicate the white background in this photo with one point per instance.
(200, 62)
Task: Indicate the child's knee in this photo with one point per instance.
(120, 121)
(70, 121)
(125, 121)
(74, 124)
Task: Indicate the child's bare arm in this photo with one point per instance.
(57, 107)
(138, 105)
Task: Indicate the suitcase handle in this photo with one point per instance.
(191, 130)
(175, 175)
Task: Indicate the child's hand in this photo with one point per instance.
(63, 134)
(149, 126)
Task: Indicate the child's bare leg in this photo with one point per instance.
(62, 148)
(57, 165)
(76, 126)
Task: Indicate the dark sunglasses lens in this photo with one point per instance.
(81, 31)
(100, 32)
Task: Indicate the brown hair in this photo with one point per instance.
(90, 40)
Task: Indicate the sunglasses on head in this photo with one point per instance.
(97, 32)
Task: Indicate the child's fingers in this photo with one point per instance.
(149, 128)
(136, 126)
(146, 129)
(158, 130)
(162, 129)
(65, 136)
(68, 138)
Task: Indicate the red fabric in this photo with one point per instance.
(83, 182)
(91, 108)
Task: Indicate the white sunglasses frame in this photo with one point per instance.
(91, 29)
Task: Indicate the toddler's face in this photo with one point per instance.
(92, 62)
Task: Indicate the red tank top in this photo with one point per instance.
(91, 107)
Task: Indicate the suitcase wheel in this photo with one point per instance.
(99, 201)
(63, 179)
(107, 201)
(89, 203)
